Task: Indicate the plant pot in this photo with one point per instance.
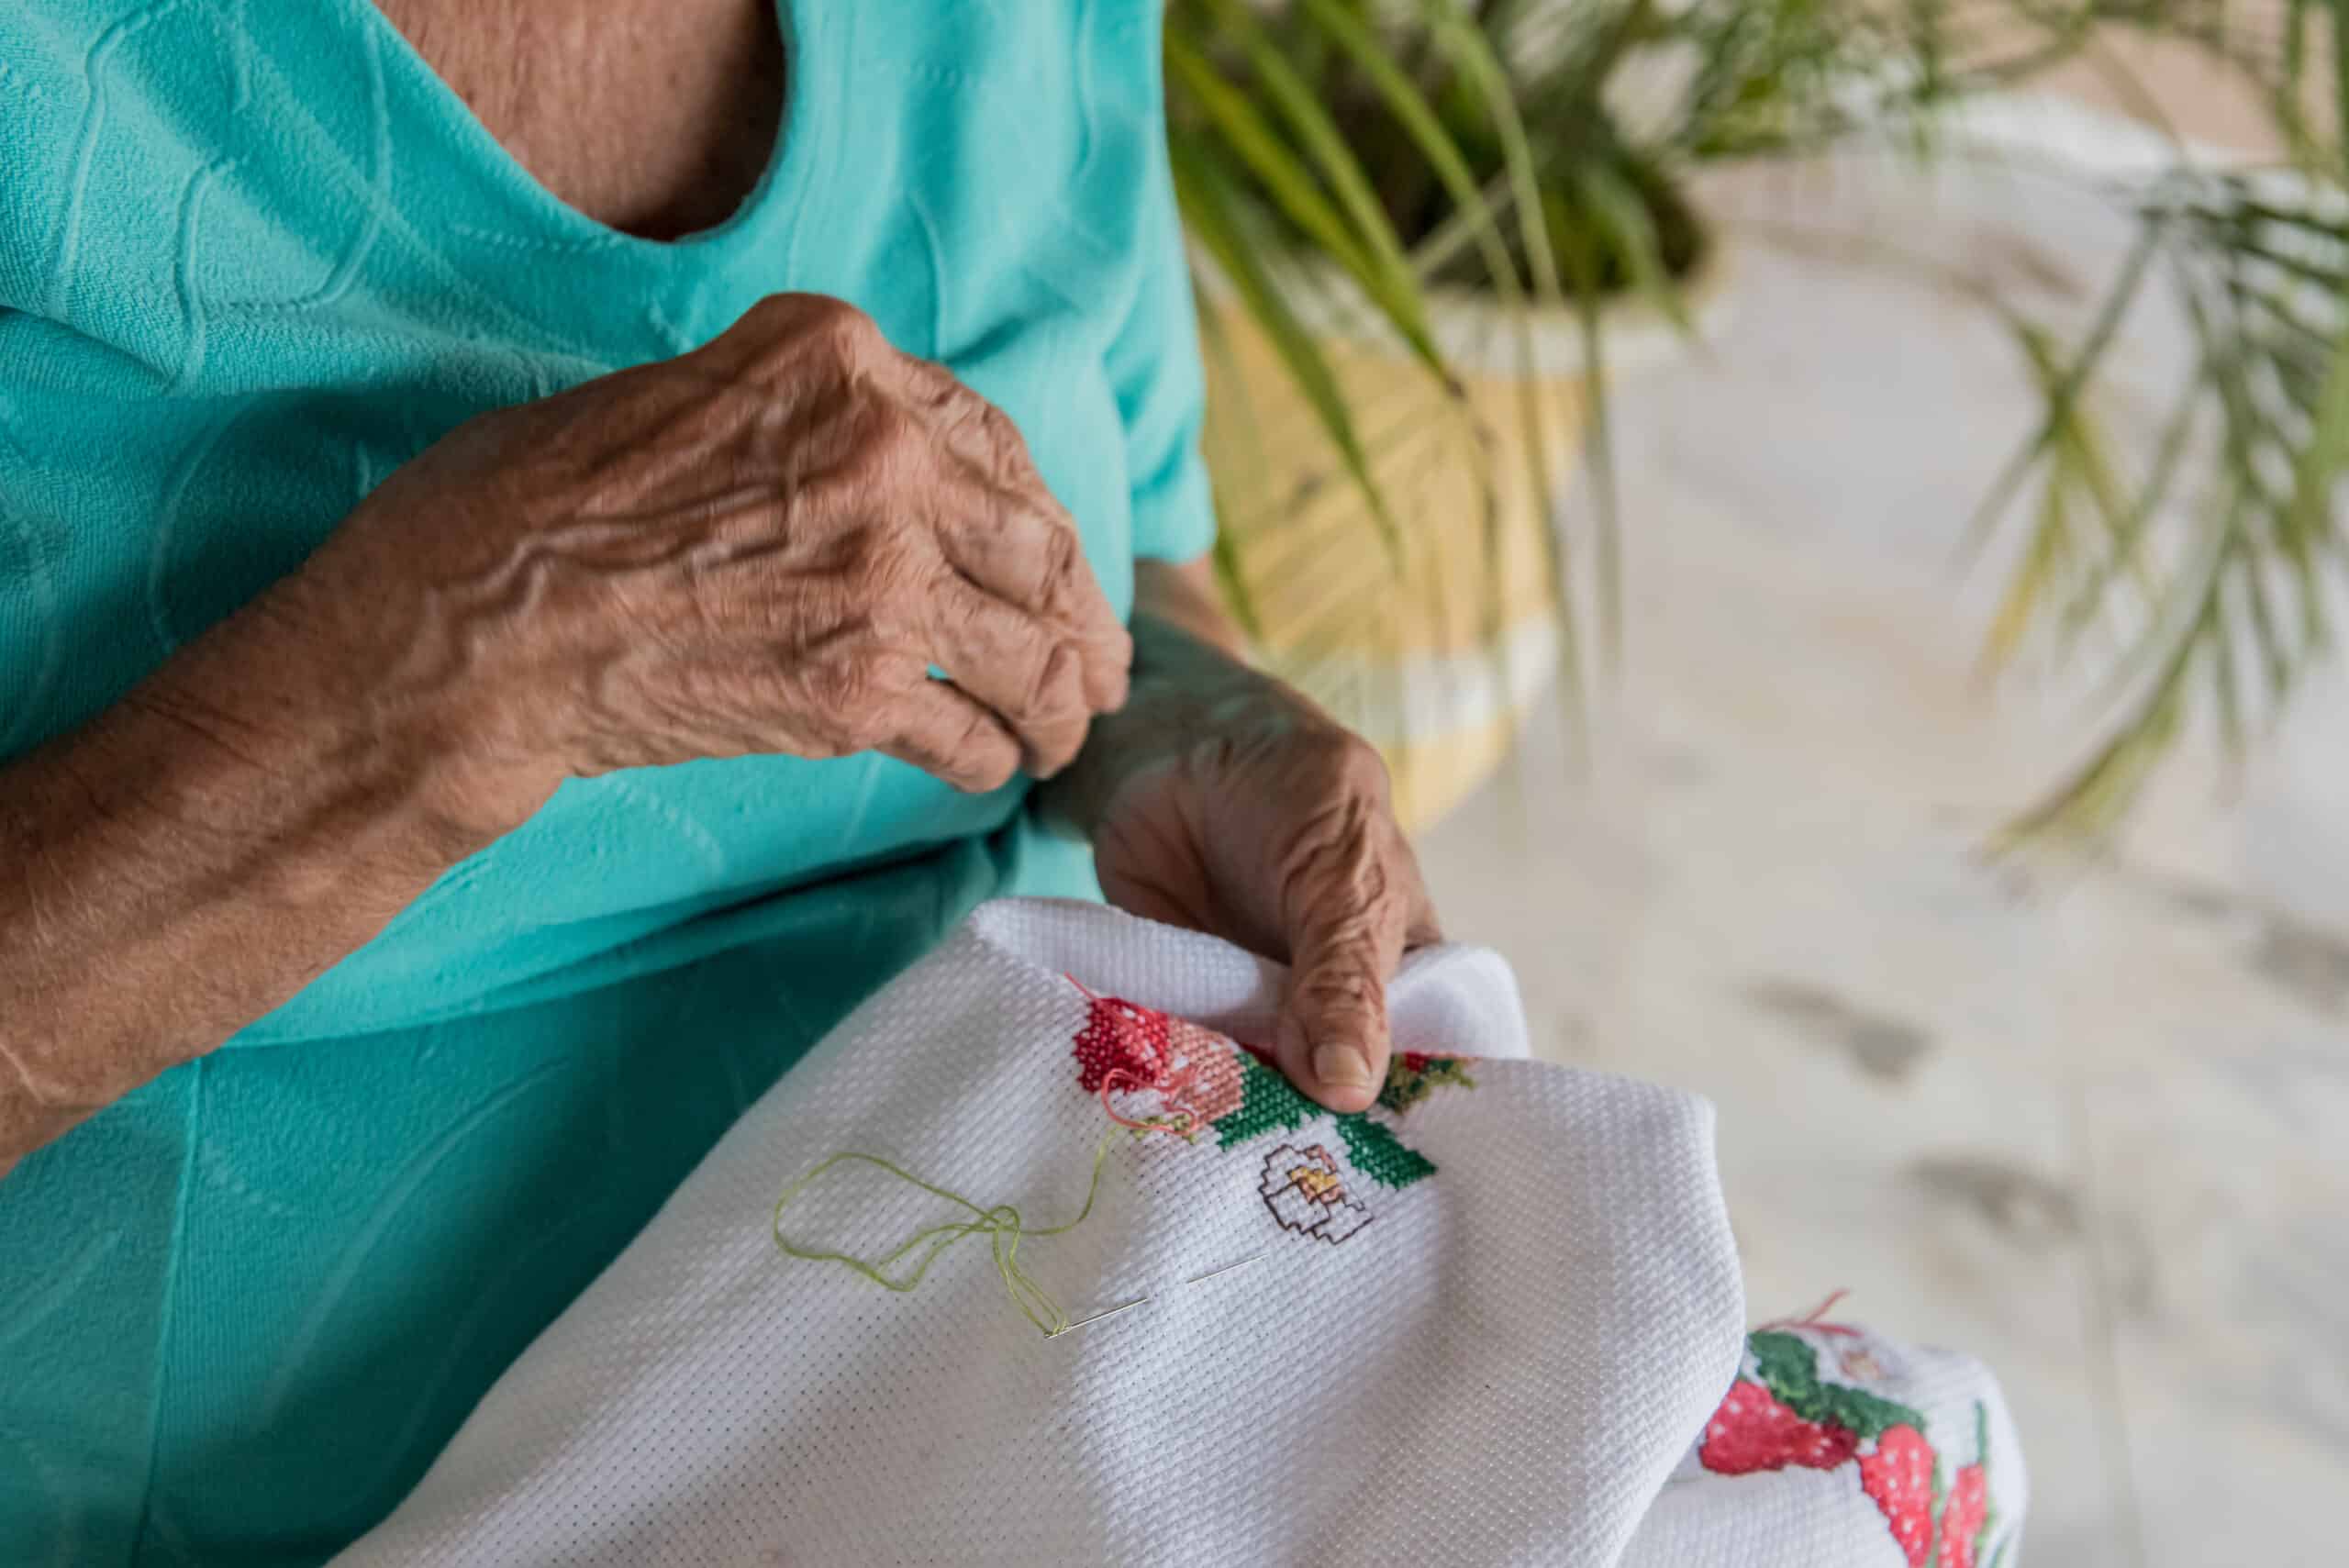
(1434, 643)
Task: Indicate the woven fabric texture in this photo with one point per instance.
(1480, 1329)
(1490, 1321)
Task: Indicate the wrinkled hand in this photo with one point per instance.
(763, 546)
(1222, 800)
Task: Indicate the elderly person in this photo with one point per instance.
(545, 549)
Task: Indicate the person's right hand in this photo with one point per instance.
(765, 545)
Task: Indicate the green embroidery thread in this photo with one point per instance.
(1000, 1224)
(1412, 1076)
(1270, 1103)
(1789, 1369)
(1989, 1524)
(1378, 1154)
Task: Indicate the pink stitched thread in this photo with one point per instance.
(1147, 1040)
(1191, 1120)
(1109, 1080)
(1814, 1318)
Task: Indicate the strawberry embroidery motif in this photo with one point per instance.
(1752, 1430)
(1963, 1517)
(1966, 1516)
(1898, 1477)
(1787, 1415)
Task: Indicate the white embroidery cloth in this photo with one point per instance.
(1481, 1323)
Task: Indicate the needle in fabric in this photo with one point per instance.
(1144, 1300)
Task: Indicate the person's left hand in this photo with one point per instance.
(1220, 799)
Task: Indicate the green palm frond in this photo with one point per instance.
(2231, 582)
(1340, 162)
(1204, 193)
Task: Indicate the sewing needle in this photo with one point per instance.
(1141, 1301)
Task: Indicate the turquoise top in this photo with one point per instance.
(254, 256)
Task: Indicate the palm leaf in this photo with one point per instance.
(1260, 147)
(1472, 54)
(1380, 268)
(1622, 220)
(1203, 194)
(1425, 127)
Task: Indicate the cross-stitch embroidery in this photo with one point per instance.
(1307, 1194)
(1125, 1049)
(1786, 1414)
(1413, 1075)
(1967, 1517)
(1155, 1073)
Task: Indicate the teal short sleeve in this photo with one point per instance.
(1161, 394)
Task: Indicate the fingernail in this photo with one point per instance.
(1340, 1067)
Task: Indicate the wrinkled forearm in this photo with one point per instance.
(187, 862)
(1190, 675)
(1186, 595)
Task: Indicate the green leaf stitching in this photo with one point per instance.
(1269, 1103)
(1376, 1153)
(1789, 1369)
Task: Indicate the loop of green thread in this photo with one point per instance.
(1001, 1224)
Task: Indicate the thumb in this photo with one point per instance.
(1334, 1042)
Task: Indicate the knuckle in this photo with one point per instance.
(1057, 574)
(938, 391)
(1051, 692)
(885, 565)
(843, 691)
(795, 342)
(791, 324)
(1117, 660)
(776, 312)
(892, 457)
(1006, 449)
(991, 769)
(877, 430)
(842, 326)
(1336, 882)
(771, 319)
(1347, 984)
(1348, 764)
(778, 318)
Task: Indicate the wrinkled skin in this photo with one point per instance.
(1223, 800)
(761, 546)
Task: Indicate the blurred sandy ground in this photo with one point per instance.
(2091, 1124)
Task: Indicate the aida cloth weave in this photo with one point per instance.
(1483, 1323)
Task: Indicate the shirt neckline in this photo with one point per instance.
(541, 219)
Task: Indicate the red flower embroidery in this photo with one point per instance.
(1125, 1047)
(1120, 1037)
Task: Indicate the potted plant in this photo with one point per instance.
(1427, 232)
